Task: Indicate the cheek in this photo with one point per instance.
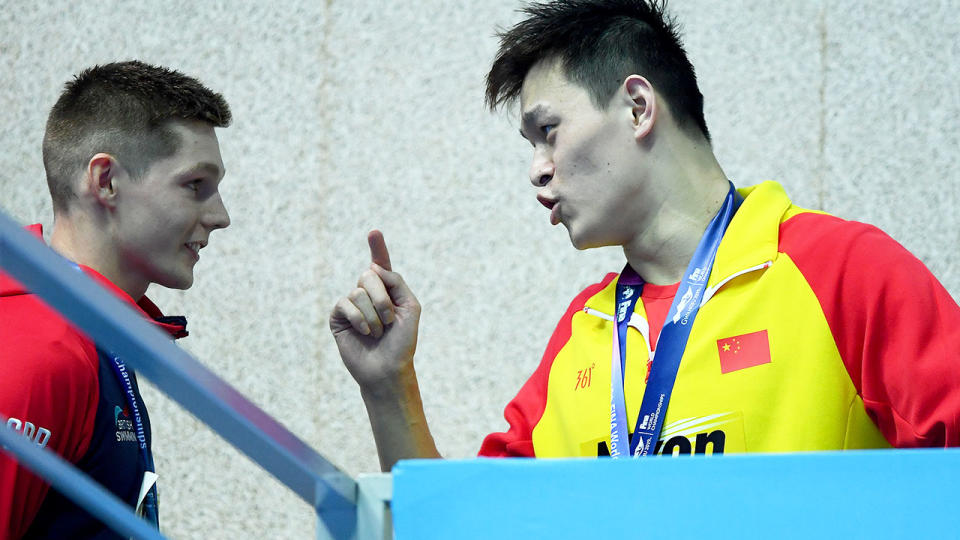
(162, 226)
(579, 161)
(590, 154)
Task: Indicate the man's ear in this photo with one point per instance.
(103, 171)
(643, 101)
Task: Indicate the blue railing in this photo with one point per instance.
(118, 328)
(76, 485)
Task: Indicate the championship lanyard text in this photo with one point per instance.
(150, 512)
(670, 346)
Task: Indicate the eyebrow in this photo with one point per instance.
(531, 116)
(205, 167)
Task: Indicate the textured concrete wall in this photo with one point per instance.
(353, 115)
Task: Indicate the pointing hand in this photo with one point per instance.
(375, 325)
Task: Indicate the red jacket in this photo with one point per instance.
(57, 390)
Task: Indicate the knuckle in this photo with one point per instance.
(340, 308)
(356, 295)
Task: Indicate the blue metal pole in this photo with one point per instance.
(118, 328)
(76, 485)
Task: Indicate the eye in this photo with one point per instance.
(547, 129)
(194, 185)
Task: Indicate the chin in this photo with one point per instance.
(176, 282)
(583, 241)
(579, 246)
(577, 241)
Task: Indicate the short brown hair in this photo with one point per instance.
(121, 108)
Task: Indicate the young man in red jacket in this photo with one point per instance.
(133, 166)
(739, 323)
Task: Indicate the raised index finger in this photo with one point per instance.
(378, 249)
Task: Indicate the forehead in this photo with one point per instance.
(195, 137)
(197, 144)
(546, 87)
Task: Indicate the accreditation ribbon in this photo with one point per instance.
(122, 373)
(670, 345)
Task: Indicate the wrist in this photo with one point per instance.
(398, 389)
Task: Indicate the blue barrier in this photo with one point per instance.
(854, 494)
(119, 329)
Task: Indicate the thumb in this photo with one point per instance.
(378, 250)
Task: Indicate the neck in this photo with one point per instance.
(85, 243)
(661, 251)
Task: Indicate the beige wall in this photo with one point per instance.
(361, 114)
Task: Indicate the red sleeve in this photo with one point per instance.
(48, 391)
(896, 327)
(526, 409)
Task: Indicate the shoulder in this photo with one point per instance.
(589, 295)
(41, 347)
(805, 232)
(591, 291)
(824, 243)
(51, 374)
(857, 271)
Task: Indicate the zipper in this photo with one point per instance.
(637, 322)
(641, 324)
(708, 294)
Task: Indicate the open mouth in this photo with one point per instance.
(555, 214)
(553, 206)
(195, 247)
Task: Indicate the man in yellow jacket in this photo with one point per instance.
(740, 322)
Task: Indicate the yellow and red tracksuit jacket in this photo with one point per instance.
(817, 334)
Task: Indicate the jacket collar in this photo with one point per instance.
(752, 238)
(176, 326)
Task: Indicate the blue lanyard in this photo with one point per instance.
(123, 377)
(672, 342)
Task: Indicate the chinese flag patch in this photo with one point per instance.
(743, 351)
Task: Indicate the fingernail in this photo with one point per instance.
(365, 329)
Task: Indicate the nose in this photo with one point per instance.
(216, 216)
(542, 169)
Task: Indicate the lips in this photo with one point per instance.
(555, 214)
(553, 206)
(195, 247)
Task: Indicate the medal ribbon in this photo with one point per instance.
(671, 344)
